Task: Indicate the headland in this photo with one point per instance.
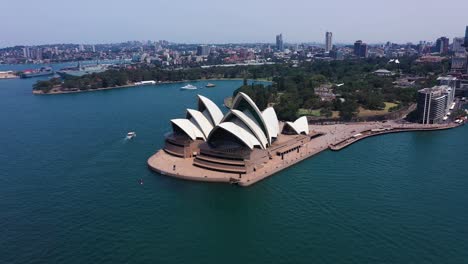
(230, 155)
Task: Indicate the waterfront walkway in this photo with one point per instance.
(335, 137)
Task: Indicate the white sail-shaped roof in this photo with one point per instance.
(242, 134)
(189, 128)
(210, 110)
(271, 119)
(250, 123)
(244, 103)
(300, 126)
(200, 121)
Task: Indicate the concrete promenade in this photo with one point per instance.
(335, 137)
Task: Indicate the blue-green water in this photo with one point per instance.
(70, 192)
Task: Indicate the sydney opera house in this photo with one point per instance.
(238, 143)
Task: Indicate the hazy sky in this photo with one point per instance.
(29, 22)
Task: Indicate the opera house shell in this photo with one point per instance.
(238, 142)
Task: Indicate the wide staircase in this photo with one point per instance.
(218, 164)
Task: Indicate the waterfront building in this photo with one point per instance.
(26, 52)
(279, 42)
(240, 141)
(328, 41)
(434, 103)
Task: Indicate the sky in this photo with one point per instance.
(33, 22)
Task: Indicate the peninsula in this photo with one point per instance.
(247, 145)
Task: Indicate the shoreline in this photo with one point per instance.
(335, 138)
(133, 85)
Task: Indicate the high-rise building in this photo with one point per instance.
(360, 49)
(434, 103)
(203, 50)
(457, 46)
(328, 41)
(357, 47)
(279, 42)
(81, 47)
(442, 45)
(466, 38)
(93, 48)
(364, 52)
(26, 52)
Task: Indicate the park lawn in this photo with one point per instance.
(315, 112)
(308, 112)
(366, 112)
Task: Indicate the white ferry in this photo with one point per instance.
(188, 87)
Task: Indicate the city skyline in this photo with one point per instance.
(208, 21)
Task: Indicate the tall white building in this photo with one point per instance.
(328, 41)
(458, 45)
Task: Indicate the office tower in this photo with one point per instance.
(364, 51)
(466, 38)
(457, 46)
(328, 41)
(357, 47)
(203, 50)
(442, 45)
(279, 42)
(81, 47)
(360, 49)
(93, 48)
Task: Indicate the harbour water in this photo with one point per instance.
(70, 190)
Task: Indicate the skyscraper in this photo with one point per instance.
(442, 45)
(328, 41)
(466, 38)
(357, 47)
(360, 49)
(458, 45)
(203, 50)
(364, 51)
(279, 42)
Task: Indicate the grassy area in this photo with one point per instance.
(315, 112)
(366, 112)
(308, 112)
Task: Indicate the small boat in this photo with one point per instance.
(188, 87)
(210, 85)
(131, 135)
